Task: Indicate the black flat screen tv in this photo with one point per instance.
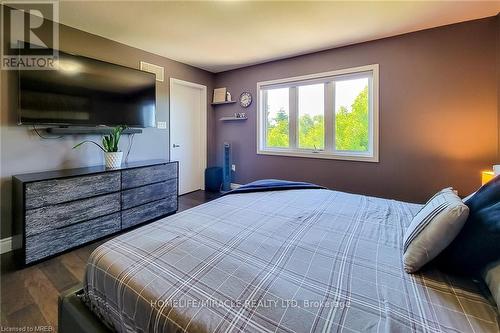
(87, 92)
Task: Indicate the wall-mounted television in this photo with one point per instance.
(87, 92)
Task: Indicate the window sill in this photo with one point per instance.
(348, 156)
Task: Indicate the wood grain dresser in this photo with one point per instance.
(56, 211)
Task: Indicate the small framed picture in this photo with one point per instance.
(219, 95)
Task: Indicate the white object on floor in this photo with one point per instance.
(496, 169)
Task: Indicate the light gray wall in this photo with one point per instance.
(23, 151)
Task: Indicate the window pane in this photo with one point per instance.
(351, 115)
(277, 118)
(311, 116)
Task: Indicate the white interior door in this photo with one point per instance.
(188, 109)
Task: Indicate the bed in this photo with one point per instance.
(307, 260)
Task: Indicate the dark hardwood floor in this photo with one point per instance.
(29, 296)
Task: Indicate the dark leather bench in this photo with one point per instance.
(75, 317)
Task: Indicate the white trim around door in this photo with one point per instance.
(203, 124)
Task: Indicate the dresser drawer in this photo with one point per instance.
(144, 194)
(56, 191)
(56, 216)
(136, 215)
(148, 175)
(58, 240)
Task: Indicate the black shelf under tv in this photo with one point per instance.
(72, 130)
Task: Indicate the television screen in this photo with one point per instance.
(87, 92)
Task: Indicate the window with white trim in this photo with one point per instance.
(326, 115)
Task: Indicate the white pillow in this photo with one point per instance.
(433, 229)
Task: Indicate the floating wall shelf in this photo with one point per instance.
(232, 118)
(226, 102)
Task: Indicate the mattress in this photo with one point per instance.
(286, 261)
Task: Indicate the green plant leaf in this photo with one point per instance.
(89, 141)
(105, 143)
(115, 136)
(110, 143)
(112, 140)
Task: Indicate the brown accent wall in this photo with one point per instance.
(498, 84)
(439, 116)
(23, 151)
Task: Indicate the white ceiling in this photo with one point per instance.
(223, 35)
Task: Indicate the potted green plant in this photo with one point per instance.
(112, 155)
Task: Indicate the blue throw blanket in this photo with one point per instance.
(273, 185)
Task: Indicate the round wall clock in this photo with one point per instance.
(245, 99)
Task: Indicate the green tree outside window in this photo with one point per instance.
(351, 128)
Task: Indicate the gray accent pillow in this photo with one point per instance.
(491, 276)
(433, 229)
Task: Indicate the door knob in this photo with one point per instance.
(175, 146)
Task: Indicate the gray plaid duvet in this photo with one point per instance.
(285, 261)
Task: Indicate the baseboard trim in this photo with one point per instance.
(5, 245)
(10, 243)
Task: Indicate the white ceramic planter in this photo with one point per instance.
(113, 160)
